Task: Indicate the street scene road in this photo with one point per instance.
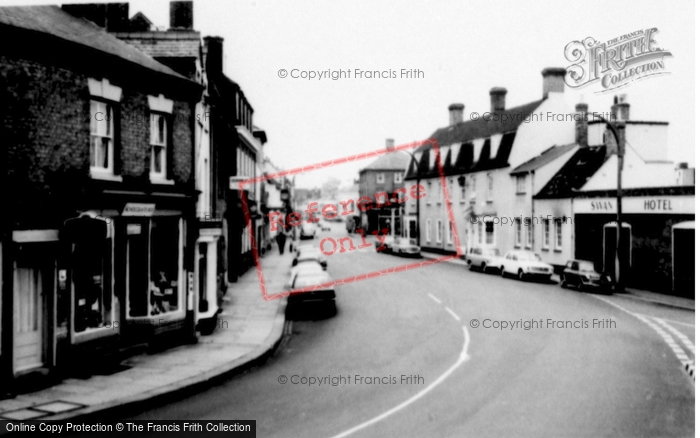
(617, 379)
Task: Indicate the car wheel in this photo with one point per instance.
(483, 267)
(521, 275)
(562, 282)
(579, 286)
(503, 272)
(469, 265)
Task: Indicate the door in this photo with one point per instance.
(609, 246)
(33, 284)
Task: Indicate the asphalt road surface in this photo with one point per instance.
(605, 372)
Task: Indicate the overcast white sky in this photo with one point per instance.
(463, 47)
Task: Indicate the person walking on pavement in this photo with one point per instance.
(281, 240)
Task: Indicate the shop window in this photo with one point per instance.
(92, 284)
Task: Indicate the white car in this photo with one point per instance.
(403, 246)
(305, 253)
(307, 274)
(525, 264)
(483, 259)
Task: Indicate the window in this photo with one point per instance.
(449, 232)
(463, 194)
(92, 285)
(380, 178)
(472, 184)
(429, 193)
(159, 145)
(480, 230)
(438, 231)
(518, 233)
(558, 238)
(101, 136)
(489, 232)
(398, 177)
(528, 231)
(489, 196)
(427, 230)
(545, 234)
(153, 267)
(520, 184)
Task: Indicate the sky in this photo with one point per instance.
(463, 47)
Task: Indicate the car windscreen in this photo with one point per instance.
(529, 257)
(586, 266)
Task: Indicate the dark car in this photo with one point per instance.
(582, 275)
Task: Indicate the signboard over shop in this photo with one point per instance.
(637, 205)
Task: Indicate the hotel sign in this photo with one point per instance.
(637, 205)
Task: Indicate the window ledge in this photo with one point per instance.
(105, 175)
(545, 249)
(557, 249)
(159, 179)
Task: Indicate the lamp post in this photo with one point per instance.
(618, 218)
(391, 148)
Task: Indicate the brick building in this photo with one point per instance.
(383, 176)
(98, 171)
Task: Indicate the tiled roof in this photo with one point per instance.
(544, 158)
(468, 136)
(164, 44)
(389, 161)
(51, 20)
(574, 174)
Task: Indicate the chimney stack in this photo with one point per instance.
(582, 125)
(552, 81)
(498, 99)
(181, 17)
(390, 144)
(214, 47)
(456, 113)
(610, 144)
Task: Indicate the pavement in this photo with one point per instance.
(664, 299)
(249, 329)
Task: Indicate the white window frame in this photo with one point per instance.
(380, 178)
(489, 187)
(398, 177)
(438, 231)
(558, 235)
(450, 237)
(101, 90)
(101, 128)
(157, 142)
(428, 224)
(518, 233)
(528, 233)
(520, 184)
(546, 234)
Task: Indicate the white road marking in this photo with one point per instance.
(684, 339)
(435, 298)
(463, 357)
(454, 315)
(677, 350)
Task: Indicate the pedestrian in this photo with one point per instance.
(281, 240)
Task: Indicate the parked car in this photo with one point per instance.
(525, 264)
(310, 273)
(582, 275)
(352, 223)
(403, 246)
(324, 225)
(308, 231)
(306, 253)
(484, 259)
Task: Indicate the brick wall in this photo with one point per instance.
(45, 137)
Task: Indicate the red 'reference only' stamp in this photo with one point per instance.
(296, 218)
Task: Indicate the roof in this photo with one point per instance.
(544, 158)
(52, 20)
(389, 161)
(469, 137)
(164, 44)
(574, 173)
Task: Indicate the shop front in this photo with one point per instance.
(646, 242)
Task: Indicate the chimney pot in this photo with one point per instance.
(498, 99)
(181, 15)
(582, 125)
(456, 113)
(552, 81)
